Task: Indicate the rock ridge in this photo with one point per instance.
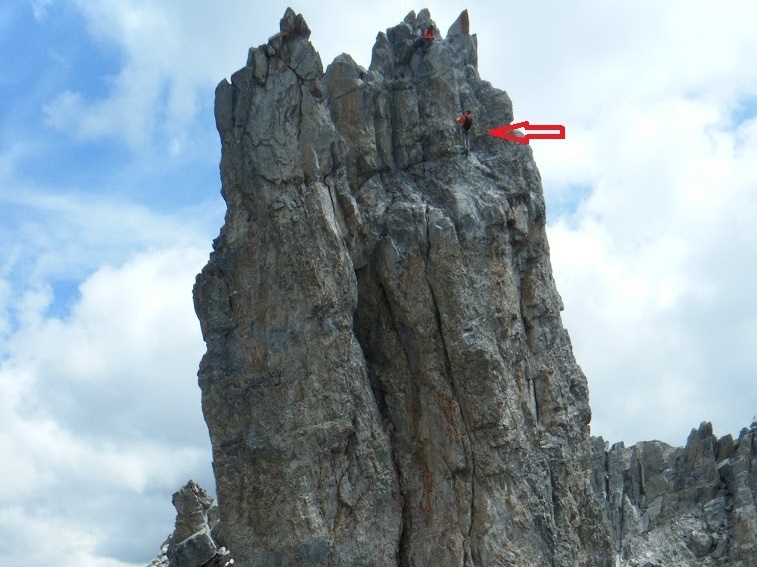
(685, 506)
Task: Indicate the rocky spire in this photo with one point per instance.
(387, 379)
(196, 539)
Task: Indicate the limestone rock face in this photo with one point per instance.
(688, 506)
(196, 539)
(387, 380)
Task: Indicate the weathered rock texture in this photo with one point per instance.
(685, 506)
(387, 380)
(196, 539)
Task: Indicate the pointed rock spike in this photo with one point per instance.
(294, 24)
(287, 21)
(461, 25)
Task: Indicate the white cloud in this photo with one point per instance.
(100, 411)
(100, 415)
(10, 155)
(655, 276)
(69, 234)
(38, 539)
(173, 53)
(129, 343)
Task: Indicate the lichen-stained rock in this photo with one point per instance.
(387, 380)
(692, 506)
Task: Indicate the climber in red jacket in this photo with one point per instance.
(427, 38)
(465, 122)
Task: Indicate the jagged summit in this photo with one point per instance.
(432, 87)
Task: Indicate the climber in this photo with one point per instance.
(427, 38)
(465, 122)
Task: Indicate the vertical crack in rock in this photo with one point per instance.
(373, 302)
(606, 471)
(469, 449)
(437, 313)
(536, 399)
(621, 525)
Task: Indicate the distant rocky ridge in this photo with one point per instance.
(196, 539)
(387, 380)
(683, 506)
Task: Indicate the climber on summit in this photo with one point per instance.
(427, 38)
(465, 122)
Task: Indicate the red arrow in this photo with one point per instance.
(506, 132)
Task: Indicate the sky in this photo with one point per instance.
(110, 200)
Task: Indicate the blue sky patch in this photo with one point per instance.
(746, 109)
(563, 203)
(41, 58)
(65, 295)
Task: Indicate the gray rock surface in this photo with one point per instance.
(692, 506)
(387, 379)
(197, 539)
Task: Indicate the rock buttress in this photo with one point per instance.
(387, 379)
